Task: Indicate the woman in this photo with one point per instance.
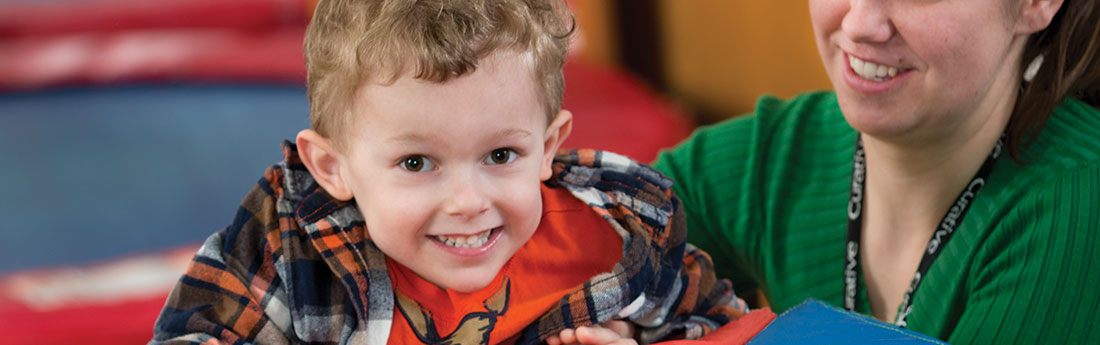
(890, 195)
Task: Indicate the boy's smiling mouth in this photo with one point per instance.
(467, 241)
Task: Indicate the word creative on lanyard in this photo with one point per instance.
(939, 238)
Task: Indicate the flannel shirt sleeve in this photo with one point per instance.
(693, 303)
(231, 292)
(703, 303)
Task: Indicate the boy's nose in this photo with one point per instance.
(867, 21)
(466, 196)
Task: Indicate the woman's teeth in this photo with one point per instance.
(870, 70)
(473, 241)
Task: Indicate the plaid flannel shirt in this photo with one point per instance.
(296, 266)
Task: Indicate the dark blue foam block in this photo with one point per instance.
(89, 174)
(814, 322)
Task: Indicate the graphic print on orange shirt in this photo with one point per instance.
(473, 329)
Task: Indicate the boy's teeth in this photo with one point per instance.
(472, 241)
(870, 70)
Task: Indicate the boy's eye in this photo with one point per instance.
(501, 156)
(416, 163)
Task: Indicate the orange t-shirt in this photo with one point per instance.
(571, 245)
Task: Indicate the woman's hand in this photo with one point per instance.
(615, 332)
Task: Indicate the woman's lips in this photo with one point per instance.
(867, 79)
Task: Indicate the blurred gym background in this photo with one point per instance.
(130, 129)
(713, 58)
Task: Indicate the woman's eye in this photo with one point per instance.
(501, 156)
(416, 163)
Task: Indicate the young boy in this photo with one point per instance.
(426, 205)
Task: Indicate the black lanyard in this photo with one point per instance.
(939, 238)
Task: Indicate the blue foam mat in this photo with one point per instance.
(89, 174)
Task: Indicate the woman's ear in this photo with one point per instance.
(1035, 15)
(556, 133)
(324, 163)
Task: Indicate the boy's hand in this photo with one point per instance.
(615, 332)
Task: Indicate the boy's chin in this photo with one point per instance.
(469, 282)
(460, 279)
(468, 288)
(469, 276)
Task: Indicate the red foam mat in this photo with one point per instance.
(152, 55)
(53, 17)
(116, 302)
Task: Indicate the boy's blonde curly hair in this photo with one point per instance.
(351, 42)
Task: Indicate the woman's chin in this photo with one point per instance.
(881, 124)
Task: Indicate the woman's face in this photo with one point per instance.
(913, 70)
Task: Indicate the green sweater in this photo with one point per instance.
(766, 196)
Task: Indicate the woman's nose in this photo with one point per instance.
(867, 21)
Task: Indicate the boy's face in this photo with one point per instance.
(447, 175)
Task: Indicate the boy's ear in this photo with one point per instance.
(324, 163)
(556, 133)
(1035, 15)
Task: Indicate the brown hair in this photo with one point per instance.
(351, 42)
(1070, 47)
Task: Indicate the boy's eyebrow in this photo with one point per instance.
(412, 137)
(514, 132)
(405, 137)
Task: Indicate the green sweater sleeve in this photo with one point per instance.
(1035, 280)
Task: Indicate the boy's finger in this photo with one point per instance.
(620, 327)
(599, 335)
(553, 340)
(567, 336)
